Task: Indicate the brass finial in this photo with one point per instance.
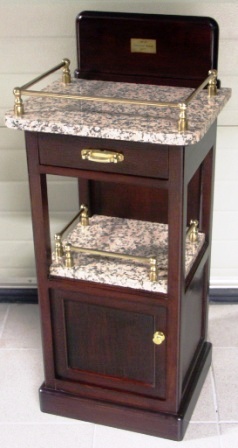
(84, 220)
(58, 246)
(66, 76)
(183, 121)
(153, 269)
(68, 256)
(193, 231)
(212, 85)
(18, 106)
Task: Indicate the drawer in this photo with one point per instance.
(132, 158)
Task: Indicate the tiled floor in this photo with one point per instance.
(214, 423)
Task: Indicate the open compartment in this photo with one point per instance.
(120, 251)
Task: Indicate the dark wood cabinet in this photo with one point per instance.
(132, 357)
(98, 338)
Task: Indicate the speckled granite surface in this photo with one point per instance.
(120, 122)
(125, 236)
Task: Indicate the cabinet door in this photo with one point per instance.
(108, 343)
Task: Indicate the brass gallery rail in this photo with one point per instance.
(211, 81)
(67, 249)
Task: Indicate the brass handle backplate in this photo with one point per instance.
(158, 337)
(101, 156)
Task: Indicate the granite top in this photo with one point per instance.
(116, 121)
(124, 236)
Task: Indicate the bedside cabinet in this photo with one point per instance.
(124, 292)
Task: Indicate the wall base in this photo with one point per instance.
(30, 295)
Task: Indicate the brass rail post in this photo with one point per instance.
(18, 105)
(18, 91)
(183, 121)
(83, 213)
(212, 86)
(192, 231)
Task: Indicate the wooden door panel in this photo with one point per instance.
(108, 345)
(109, 341)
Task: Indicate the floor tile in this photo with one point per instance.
(229, 435)
(225, 363)
(205, 410)
(22, 327)
(223, 328)
(21, 376)
(197, 436)
(27, 435)
(4, 307)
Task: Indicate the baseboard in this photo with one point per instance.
(18, 295)
(29, 295)
(223, 295)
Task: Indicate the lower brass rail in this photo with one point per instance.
(68, 249)
(152, 261)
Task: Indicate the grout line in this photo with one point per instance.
(214, 393)
(204, 422)
(4, 321)
(227, 422)
(215, 400)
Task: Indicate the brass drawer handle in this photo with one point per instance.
(158, 337)
(101, 156)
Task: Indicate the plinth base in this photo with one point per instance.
(165, 425)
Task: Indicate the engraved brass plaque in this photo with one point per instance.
(143, 46)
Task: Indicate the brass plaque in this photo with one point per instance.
(143, 46)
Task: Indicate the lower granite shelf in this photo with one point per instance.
(124, 236)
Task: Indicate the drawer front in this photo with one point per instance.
(97, 343)
(139, 159)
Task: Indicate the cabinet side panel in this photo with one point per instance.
(192, 328)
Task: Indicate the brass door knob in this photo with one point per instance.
(158, 337)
